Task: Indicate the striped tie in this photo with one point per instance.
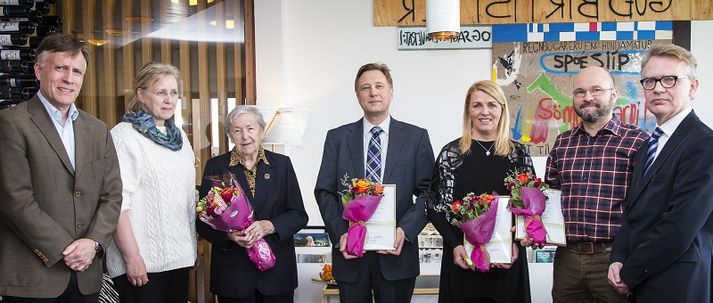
(653, 145)
(373, 156)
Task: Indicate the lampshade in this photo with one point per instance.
(442, 18)
(286, 126)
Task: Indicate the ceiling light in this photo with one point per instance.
(97, 42)
(442, 18)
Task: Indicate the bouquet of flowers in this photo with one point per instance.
(226, 209)
(326, 274)
(476, 217)
(528, 200)
(360, 200)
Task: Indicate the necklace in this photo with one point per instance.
(487, 150)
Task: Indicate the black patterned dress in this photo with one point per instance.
(454, 176)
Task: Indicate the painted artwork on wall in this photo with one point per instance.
(535, 64)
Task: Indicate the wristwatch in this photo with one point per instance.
(97, 247)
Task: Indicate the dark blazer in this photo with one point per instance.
(278, 199)
(45, 204)
(666, 241)
(409, 161)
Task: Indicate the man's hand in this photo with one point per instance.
(459, 257)
(79, 254)
(615, 280)
(398, 243)
(136, 271)
(343, 247)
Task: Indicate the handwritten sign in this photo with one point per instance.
(470, 37)
(537, 78)
(413, 12)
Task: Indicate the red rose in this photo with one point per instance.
(538, 182)
(455, 206)
(227, 194)
(522, 177)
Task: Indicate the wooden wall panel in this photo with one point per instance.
(89, 87)
(413, 12)
(107, 105)
(238, 62)
(127, 52)
(249, 17)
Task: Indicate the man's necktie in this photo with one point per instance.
(373, 156)
(653, 145)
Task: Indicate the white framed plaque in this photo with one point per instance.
(500, 245)
(552, 219)
(381, 227)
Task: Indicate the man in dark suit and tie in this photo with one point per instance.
(664, 248)
(60, 188)
(383, 150)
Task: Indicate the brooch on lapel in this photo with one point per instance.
(267, 176)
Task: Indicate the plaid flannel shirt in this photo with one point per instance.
(594, 174)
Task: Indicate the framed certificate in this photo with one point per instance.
(381, 227)
(552, 219)
(500, 245)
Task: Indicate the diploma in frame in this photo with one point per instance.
(381, 227)
(500, 245)
(552, 219)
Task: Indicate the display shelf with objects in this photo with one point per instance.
(23, 25)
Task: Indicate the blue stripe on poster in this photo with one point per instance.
(519, 32)
(509, 32)
(587, 36)
(625, 35)
(664, 25)
(646, 35)
(552, 36)
(562, 27)
(608, 26)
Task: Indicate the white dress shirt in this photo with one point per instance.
(669, 127)
(66, 131)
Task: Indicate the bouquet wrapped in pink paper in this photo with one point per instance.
(528, 200)
(226, 208)
(476, 216)
(360, 201)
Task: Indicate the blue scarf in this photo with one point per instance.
(145, 124)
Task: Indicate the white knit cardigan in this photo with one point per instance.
(159, 196)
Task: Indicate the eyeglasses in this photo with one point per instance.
(666, 81)
(164, 93)
(596, 91)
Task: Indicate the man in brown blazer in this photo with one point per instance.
(60, 188)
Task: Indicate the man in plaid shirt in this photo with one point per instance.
(592, 164)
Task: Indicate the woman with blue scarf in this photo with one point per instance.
(155, 240)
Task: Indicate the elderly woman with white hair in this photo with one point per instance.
(271, 187)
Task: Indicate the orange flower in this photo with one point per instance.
(361, 183)
(522, 177)
(455, 206)
(378, 189)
